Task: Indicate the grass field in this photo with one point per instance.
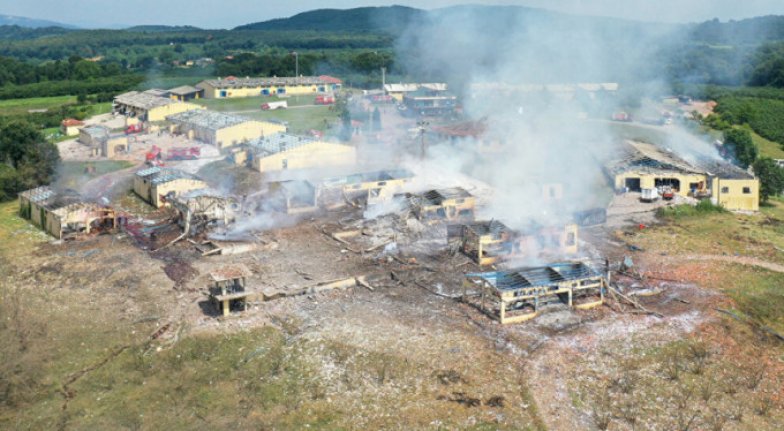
(251, 103)
(22, 106)
(300, 120)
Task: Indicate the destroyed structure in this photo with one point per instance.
(518, 295)
(430, 102)
(451, 205)
(219, 129)
(368, 187)
(64, 214)
(102, 142)
(202, 208)
(294, 197)
(489, 242)
(645, 166)
(245, 87)
(155, 183)
(398, 91)
(151, 105)
(229, 290)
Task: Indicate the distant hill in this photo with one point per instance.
(30, 22)
(162, 28)
(15, 32)
(363, 19)
(747, 31)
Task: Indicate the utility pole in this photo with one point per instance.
(296, 64)
(383, 77)
(422, 124)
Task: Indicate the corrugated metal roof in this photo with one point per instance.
(521, 278)
(277, 143)
(207, 119)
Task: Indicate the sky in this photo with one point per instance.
(231, 13)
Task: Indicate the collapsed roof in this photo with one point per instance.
(521, 278)
(437, 197)
(207, 119)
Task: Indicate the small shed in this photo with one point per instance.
(229, 290)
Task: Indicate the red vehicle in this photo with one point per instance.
(324, 100)
(621, 116)
(191, 153)
(134, 128)
(153, 157)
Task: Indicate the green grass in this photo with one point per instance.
(22, 106)
(703, 208)
(757, 293)
(767, 148)
(252, 103)
(16, 233)
(300, 120)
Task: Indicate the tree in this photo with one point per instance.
(771, 177)
(27, 159)
(739, 145)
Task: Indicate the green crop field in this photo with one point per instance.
(22, 106)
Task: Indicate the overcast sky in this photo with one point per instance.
(230, 13)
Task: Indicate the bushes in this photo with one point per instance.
(28, 160)
(704, 208)
(113, 84)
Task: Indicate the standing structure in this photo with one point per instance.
(517, 295)
(221, 130)
(229, 290)
(150, 105)
(232, 86)
(153, 184)
(281, 151)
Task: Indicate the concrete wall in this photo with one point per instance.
(211, 92)
(177, 186)
(161, 112)
(648, 180)
(736, 194)
(246, 131)
(313, 155)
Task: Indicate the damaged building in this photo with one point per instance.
(452, 205)
(398, 91)
(518, 295)
(366, 187)
(219, 129)
(155, 183)
(64, 214)
(489, 242)
(281, 152)
(202, 208)
(646, 166)
(150, 105)
(102, 142)
(229, 290)
(294, 196)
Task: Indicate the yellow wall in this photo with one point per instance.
(110, 147)
(178, 186)
(397, 95)
(161, 112)
(70, 131)
(211, 92)
(648, 180)
(729, 194)
(246, 131)
(312, 155)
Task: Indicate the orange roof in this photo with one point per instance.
(330, 79)
(71, 122)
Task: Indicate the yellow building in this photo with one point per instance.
(281, 151)
(221, 130)
(70, 127)
(185, 93)
(285, 86)
(150, 105)
(63, 214)
(451, 205)
(153, 184)
(646, 166)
